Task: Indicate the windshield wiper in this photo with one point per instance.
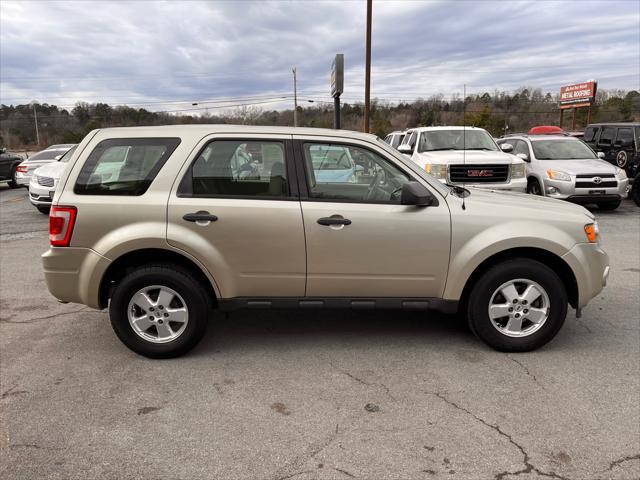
(480, 148)
(439, 149)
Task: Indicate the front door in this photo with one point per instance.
(360, 241)
(237, 212)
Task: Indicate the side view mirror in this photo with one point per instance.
(405, 148)
(57, 157)
(506, 147)
(414, 193)
(523, 156)
(601, 155)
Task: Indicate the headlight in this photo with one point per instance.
(517, 170)
(558, 175)
(621, 173)
(592, 232)
(438, 170)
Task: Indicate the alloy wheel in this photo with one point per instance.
(158, 314)
(519, 308)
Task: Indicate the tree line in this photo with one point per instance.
(499, 112)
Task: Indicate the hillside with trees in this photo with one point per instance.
(498, 112)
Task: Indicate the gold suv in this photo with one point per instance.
(163, 224)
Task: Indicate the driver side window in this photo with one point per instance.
(349, 173)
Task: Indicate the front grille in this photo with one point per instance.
(478, 173)
(588, 180)
(45, 181)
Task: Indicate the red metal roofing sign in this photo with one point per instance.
(578, 95)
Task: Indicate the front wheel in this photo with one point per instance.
(534, 187)
(517, 305)
(159, 311)
(635, 190)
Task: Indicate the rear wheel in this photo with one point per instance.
(517, 305)
(45, 209)
(12, 179)
(534, 187)
(609, 205)
(621, 159)
(159, 311)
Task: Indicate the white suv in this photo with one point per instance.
(465, 155)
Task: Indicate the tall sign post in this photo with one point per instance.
(579, 95)
(337, 86)
(367, 68)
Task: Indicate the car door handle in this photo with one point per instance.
(201, 216)
(334, 220)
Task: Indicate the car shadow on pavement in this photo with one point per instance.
(258, 329)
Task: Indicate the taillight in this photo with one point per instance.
(61, 222)
(21, 169)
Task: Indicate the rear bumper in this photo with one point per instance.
(23, 179)
(74, 274)
(590, 265)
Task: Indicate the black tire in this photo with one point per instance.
(12, 179)
(635, 190)
(43, 209)
(534, 187)
(609, 205)
(176, 278)
(517, 268)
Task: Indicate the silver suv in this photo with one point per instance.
(162, 224)
(566, 168)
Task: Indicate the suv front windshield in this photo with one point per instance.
(564, 149)
(456, 140)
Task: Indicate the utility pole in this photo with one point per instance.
(35, 115)
(367, 74)
(295, 98)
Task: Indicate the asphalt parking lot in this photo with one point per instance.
(302, 395)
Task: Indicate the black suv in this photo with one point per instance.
(8, 164)
(620, 143)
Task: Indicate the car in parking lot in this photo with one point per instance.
(395, 138)
(173, 233)
(565, 168)
(464, 155)
(51, 154)
(8, 164)
(620, 143)
(45, 180)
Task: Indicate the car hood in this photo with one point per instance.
(489, 198)
(52, 169)
(580, 167)
(468, 156)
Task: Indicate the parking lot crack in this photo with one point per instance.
(286, 477)
(526, 370)
(618, 462)
(47, 317)
(528, 466)
(364, 382)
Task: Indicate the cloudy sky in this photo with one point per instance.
(168, 55)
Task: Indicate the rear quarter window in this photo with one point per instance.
(124, 166)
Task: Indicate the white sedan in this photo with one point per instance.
(44, 181)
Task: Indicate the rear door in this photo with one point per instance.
(382, 249)
(236, 209)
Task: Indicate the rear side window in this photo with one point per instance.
(625, 135)
(124, 166)
(238, 168)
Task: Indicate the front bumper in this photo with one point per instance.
(39, 195)
(513, 185)
(74, 274)
(568, 191)
(590, 265)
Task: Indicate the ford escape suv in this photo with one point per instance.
(162, 224)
